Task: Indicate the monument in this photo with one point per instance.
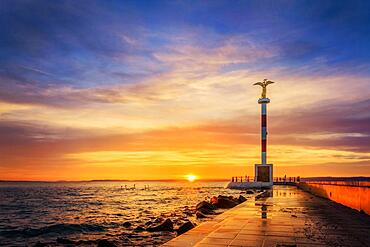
(263, 177)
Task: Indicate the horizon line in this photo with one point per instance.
(170, 180)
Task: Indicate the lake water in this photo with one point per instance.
(81, 213)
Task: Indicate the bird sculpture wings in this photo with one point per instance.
(263, 85)
(269, 82)
(258, 83)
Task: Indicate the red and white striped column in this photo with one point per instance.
(264, 102)
(264, 133)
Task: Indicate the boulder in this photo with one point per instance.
(200, 215)
(139, 229)
(158, 220)
(241, 199)
(214, 200)
(185, 227)
(250, 192)
(226, 202)
(126, 224)
(105, 243)
(205, 205)
(206, 211)
(167, 225)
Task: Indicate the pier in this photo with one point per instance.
(282, 216)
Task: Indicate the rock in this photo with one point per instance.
(126, 224)
(105, 243)
(200, 215)
(205, 205)
(225, 202)
(213, 200)
(158, 220)
(250, 192)
(241, 199)
(167, 225)
(206, 211)
(139, 229)
(148, 223)
(185, 227)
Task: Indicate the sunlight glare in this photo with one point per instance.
(191, 177)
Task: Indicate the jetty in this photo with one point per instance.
(289, 212)
(282, 216)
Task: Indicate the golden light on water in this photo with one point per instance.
(191, 177)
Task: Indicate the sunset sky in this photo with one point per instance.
(162, 89)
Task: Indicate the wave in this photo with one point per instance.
(57, 228)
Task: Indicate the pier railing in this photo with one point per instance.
(276, 180)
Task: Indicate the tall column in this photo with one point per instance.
(263, 133)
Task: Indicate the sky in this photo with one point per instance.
(162, 89)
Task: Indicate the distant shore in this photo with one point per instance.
(114, 180)
(304, 179)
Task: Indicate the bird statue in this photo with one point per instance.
(263, 85)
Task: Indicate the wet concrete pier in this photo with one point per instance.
(287, 216)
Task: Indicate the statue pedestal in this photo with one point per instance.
(264, 173)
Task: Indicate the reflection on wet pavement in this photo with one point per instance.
(284, 216)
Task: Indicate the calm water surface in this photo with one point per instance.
(84, 212)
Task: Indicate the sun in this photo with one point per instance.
(191, 178)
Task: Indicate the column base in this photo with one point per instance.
(264, 173)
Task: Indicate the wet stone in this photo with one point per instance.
(167, 225)
(185, 227)
(200, 215)
(205, 205)
(225, 202)
(127, 224)
(241, 199)
(139, 229)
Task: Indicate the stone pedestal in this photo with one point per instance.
(264, 173)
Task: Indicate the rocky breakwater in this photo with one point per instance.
(204, 208)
